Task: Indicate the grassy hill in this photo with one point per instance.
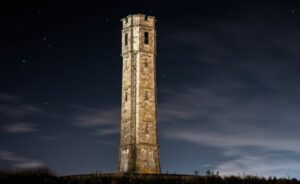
(46, 177)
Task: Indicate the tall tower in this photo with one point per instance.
(139, 149)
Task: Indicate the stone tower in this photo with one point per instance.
(139, 149)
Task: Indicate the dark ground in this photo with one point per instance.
(47, 177)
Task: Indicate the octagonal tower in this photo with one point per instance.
(139, 149)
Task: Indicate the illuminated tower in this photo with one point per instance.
(139, 149)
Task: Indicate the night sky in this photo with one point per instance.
(228, 75)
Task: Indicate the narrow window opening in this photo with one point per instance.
(126, 96)
(146, 37)
(147, 128)
(146, 65)
(126, 20)
(126, 39)
(146, 17)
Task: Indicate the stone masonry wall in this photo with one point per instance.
(139, 149)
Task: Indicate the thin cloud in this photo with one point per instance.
(207, 109)
(230, 141)
(29, 164)
(107, 131)
(110, 143)
(15, 112)
(46, 137)
(244, 93)
(20, 128)
(18, 110)
(105, 121)
(14, 107)
(8, 98)
(225, 118)
(19, 161)
(220, 120)
(261, 166)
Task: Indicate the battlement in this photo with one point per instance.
(138, 20)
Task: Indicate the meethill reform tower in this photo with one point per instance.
(139, 149)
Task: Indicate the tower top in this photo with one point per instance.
(138, 20)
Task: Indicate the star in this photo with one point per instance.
(293, 12)
(23, 61)
(105, 20)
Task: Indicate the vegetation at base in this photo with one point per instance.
(28, 176)
(44, 176)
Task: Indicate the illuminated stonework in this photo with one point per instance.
(139, 149)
